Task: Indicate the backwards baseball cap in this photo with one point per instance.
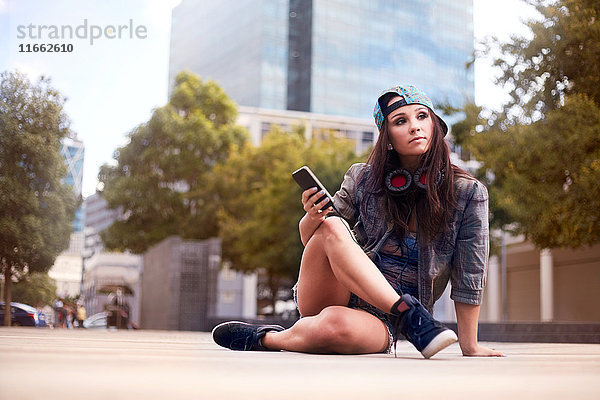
(408, 95)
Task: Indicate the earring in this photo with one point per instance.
(390, 147)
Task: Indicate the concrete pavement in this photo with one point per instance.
(85, 364)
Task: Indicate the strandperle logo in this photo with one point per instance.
(83, 31)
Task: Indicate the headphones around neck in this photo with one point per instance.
(400, 180)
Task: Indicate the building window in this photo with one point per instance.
(367, 137)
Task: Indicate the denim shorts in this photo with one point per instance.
(391, 267)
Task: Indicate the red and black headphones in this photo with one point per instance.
(400, 180)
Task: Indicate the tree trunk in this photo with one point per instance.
(7, 294)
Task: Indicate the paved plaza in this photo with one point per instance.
(85, 364)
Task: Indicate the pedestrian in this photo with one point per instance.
(69, 316)
(417, 221)
(81, 315)
(58, 313)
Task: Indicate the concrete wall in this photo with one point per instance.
(157, 286)
(200, 262)
(179, 284)
(575, 282)
(523, 292)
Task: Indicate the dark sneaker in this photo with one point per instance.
(419, 328)
(237, 335)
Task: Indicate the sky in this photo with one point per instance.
(113, 82)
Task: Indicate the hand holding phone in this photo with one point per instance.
(306, 179)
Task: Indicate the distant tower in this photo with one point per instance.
(73, 150)
(67, 268)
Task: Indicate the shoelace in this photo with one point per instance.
(250, 340)
(428, 325)
(398, 328)
(246, 343)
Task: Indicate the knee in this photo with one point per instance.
(334, 327)
(333, 229)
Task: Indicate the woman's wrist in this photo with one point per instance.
(308, 226)
(469, 347)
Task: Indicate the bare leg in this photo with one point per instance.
(318, 286)
(332, 266)
(336, 329)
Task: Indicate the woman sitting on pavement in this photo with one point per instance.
(418, 221)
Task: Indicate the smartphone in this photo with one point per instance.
(306, 179)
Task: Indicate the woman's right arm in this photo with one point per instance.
(313, 217)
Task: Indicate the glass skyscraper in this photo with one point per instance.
(73, 151)
(326, 56)
(240, 44)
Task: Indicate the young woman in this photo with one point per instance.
(417, 222)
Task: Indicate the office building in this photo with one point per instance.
(260, 121)
(73, 151)
(98, 217)
(325, 56)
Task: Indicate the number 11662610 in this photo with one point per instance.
(45, 48)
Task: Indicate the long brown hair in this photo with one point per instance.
(435, 205)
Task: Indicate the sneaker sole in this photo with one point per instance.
(439, 343)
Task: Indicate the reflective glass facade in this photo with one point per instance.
(73, 151)
(363, 47)
(240, 44)
(326, 56)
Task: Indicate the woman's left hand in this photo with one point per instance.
(482, 351)
(467, 317)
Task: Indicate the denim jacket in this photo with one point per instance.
(458, 254)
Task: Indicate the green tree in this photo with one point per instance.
(36, 289)
(562, 58)
(36, 207)
(546, 174)
(540, 153)
(261, 204)
(163, 177)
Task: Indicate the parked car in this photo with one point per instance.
(107, 320)
(23, 315)
(98, 320)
